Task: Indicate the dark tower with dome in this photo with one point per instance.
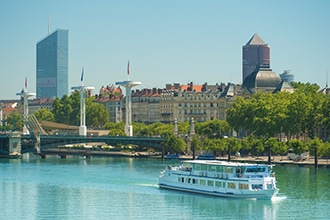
(256, 53)
(257, 75)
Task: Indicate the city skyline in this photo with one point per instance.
(165, 41)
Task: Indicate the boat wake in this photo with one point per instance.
(147, 185)
(278, 198)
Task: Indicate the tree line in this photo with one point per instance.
(260, 121)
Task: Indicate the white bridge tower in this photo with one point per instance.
(128, 86)
(82, 89)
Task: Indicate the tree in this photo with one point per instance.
(305, 87)
(196, 143)
(44, 114)
(318, 144)
(213, 128)
(234, 143)
(214, 144)
(96, 115)
(257, 147)
(247, 144)
(174, 144)
(140, 129)
(297, 146)
(183, 127)
(115, 128)
(62, 110)
(116, 132)
(14, 122)
(281, 148)
(67, 110)
(239, 114)
(327, 150)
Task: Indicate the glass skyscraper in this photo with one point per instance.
(52, 65)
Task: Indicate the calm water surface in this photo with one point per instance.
(126, 188)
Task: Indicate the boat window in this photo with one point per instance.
(218, 184)
(255, 169)
(204, 167)
(256, 186)
(210, 183)
(243, 186)
(270, 169)
(197, 167)
(269, 186)
(181, 179)
(195, 181)
(220, 169)
(228, 169)
(212, 168)
(202, 182)
(231, 185)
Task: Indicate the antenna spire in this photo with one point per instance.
(326, 80)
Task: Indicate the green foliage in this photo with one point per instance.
(214, 144)
(276, 146)
(139, 129)
(96, 115)
(246, 143)
(44, 114)
(67, 111)
(257, 147)
(113, 125)
(174, 144)
(212, 129)
(184, 127)
(305, 87)
(239, 115)
(235, 144)
(325, 109)
(196, 143)
(116, 132)
(316, 143)
(14, 122)
(115, 128)
(326, 149)
(297, 146)
(267, 115)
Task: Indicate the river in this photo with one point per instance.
(126, 188)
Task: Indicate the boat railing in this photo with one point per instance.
(254, 175)
(181, 168)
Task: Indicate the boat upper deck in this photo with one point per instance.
(225, 163)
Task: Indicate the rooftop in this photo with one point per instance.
(255, 40)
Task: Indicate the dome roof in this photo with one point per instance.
(261, 79)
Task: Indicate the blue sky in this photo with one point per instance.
(166, 41)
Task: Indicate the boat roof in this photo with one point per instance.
(225, 163)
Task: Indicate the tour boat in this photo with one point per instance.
(220, 178)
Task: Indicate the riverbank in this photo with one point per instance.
(278, 160)
(282, 161)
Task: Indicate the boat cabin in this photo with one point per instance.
(220, 169)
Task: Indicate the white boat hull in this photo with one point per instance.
(265, 194)
(232, 180)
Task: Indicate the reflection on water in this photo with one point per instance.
(126, 188)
